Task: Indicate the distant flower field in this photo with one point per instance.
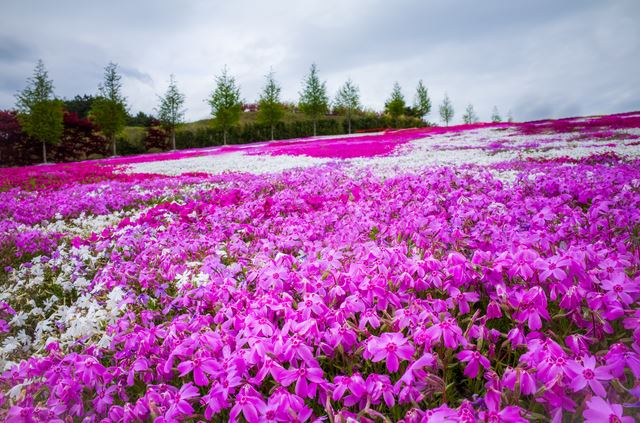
(482, 273)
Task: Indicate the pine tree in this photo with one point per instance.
(109, 109)
(270, 108)
(395, 105)
(495, 116)
(446, 110)
(314, 101)
(40, 115)
(171, 111)
(225, 102)
(470, 116)
(348, 99)
(422, 103)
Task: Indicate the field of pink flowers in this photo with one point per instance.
(487, 273)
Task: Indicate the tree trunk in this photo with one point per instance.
(349, 119)
(44, 152)
(314, 127)
(224, 137)
(113, 142)
(173, 138)
(271, 132)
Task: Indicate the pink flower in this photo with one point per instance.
(250, 403)
(620, 288)
(181, 405)
(392, 347)
(307, 379)
(600, 411)
(474, 359)
(552, 267)
(199, 366)
(587, 374)
(448, 330)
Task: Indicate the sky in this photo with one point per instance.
(538, 59)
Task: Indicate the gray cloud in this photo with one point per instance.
(539, 59)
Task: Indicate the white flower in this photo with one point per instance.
(10, 344)
(19, 319)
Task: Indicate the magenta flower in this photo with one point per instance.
(307, 379)
(199, 366)
(552, 266)
(449, 331)
(600, 411)
(369, 317)
(250, 403)
(531, 307)
(392, 347)
(586, 373)
(620, 288)
(474, 360)
(519, 376)
(180, 405)
(354, 383)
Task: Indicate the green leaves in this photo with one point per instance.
(109, 110)
(396, 104)
(171, 111)
(40, 115)
(225, 102)
(422, 103)
(44, 122)
(314, 101)
(270, 108)
(446, 110)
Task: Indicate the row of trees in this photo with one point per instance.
(41, 114)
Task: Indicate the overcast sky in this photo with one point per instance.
(544, 58)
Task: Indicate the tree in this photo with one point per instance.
(314, 101)
(446, 110)
(395, 105)
(225, 102)
(470, 115)
(509, 117)
(140, 119)
(171, 111)
(270, 108)
(109, 110)
(40, 115)
(80, 105)
(495, 116)
(422, 103)
(348, 99)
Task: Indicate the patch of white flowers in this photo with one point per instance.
(227, 162)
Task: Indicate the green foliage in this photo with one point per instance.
(270, 108)
(141, 119)
(111, 87)
(495, 116)
(314, 101)
(395, 105)
(109, 116)
(422, 103)
(39, 88)
(109, 110)
(470, 115)
(44, 123)
(292, 126)
(225, 102)
(80, 105)
(446, 110)
(348, 100)
(40, 115)
(171, 109)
